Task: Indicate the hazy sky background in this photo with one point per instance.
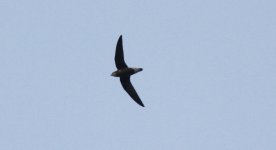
(209, 78)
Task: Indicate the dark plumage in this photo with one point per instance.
(124, 72)
(119, 55)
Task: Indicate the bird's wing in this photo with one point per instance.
(130, 90)
(119, 56)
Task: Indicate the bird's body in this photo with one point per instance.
(124, 72)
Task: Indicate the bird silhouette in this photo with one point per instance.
(124, 72)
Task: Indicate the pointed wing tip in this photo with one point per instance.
(120, 41)
(140, 103)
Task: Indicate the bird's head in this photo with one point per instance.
(137, 69)
(114, 74)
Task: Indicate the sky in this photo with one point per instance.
(208, 79)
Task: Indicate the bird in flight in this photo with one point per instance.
(124, 72)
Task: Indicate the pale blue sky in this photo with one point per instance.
(209, 78)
